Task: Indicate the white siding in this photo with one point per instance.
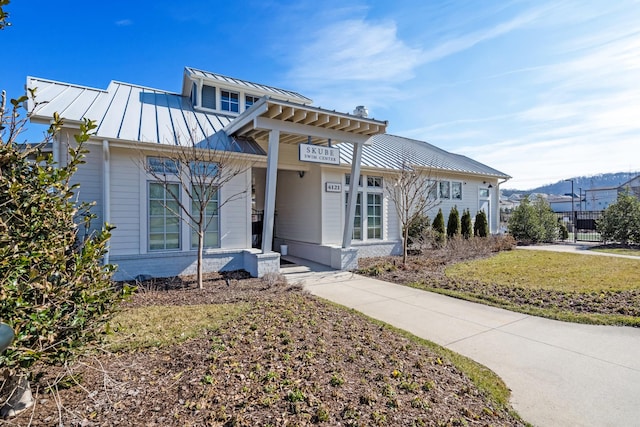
(126, 198)
(298, 206)
(333, 211)
(235, 219)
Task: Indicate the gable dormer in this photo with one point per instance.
(215, 92)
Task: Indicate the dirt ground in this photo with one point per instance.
(293, 360)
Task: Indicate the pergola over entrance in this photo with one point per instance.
(282, 122)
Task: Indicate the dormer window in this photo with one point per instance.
(249, 100)
(229, 101)
(194, 94)
(209, 97)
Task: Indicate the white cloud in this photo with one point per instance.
(124, 23)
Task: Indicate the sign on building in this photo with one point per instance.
(319, 154)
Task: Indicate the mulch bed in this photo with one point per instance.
(292, 360)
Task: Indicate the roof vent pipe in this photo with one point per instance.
(361, 111)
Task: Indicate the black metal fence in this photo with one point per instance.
(583, 224)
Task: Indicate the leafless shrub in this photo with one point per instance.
(274, 279)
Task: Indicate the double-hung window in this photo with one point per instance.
(164, 216)
(229, 101)
(211, 223)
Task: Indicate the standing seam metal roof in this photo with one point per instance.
(389, 151)
(136, 113)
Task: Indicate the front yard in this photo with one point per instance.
(563, 286)
(249, 352)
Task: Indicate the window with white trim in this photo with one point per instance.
(456, 190)
(211, 216)
(162, 165)
(372, 194)
(229, 101)
(249, 100)
(164, 216)
(444, 190)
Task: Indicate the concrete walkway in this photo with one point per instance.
(560, 374)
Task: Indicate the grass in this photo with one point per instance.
(159, 326)
(560, 272)
(618, 251)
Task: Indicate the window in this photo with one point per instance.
(484, 193)
(229, 101)
(162, 165)
(249, 100)
(209, 97)
(212, 226)
(456, 190)
(443, 190)
(347, 180)
(372, 220)
(432, 190)
(164, 217)
(374, 216)
(357, 219)
(206, 169)
(374, 181)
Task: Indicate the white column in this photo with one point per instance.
(270, 191)
(353, 196)
(106, 189)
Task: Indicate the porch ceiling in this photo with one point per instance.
(297, 122)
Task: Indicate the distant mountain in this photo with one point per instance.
(583, 182)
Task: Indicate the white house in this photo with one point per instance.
(598, 199)
(303, 159)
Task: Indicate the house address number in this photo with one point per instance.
(333, 187)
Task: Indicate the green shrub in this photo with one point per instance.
(466, 227)
(481, 225)
(533, 223)
(438, 228)
(453, 223)
(562, 231)
(418, 227)
(56, 292)
(621, 221)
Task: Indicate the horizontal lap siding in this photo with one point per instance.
(332, 209)
(235, 219)
(125, 202)
(89, 175)
(298, 206)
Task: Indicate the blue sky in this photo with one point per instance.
(541, 90)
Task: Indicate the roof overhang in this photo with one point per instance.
(297, 123)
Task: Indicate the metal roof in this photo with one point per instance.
(249, 87)
(389, 151)
(136, 114)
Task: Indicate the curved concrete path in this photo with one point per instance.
(560, 374)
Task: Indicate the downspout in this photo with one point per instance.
(106, 191)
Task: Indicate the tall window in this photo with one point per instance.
(164, 217)
(456, 190)
(212, 225)
(209, 97)
(229, 101)
(249, 100)
(372, 194)
(374, 216)
(357, 219)
(444, 190)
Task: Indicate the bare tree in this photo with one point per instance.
(199, 170)
(412, 190)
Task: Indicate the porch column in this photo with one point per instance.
(270, 191)
(353, 195)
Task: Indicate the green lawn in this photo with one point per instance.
(618, 251)
(555, 271)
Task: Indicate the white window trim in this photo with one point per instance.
(148, 217)
(364, 189)
(218, 221)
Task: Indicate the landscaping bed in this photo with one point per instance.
(280, 357)
(564, 294)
